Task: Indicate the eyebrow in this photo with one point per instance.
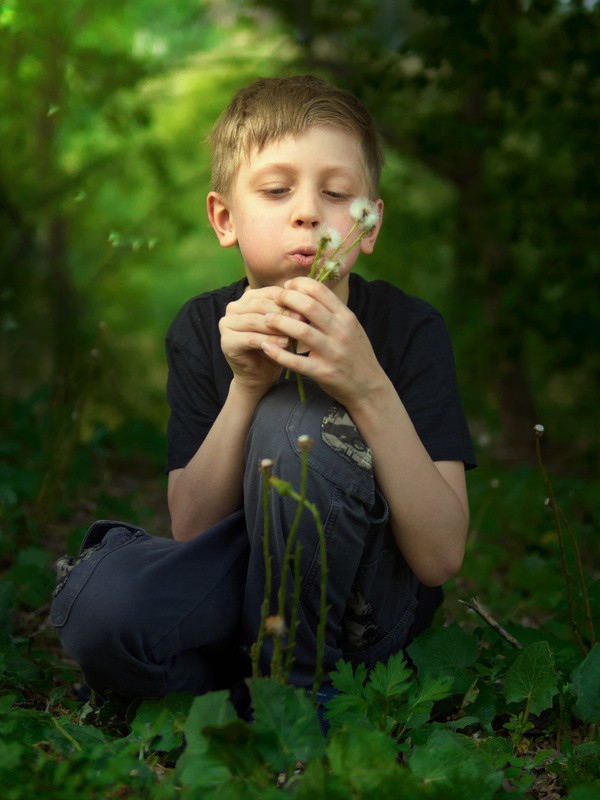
(332, 169)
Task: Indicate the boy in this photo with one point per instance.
(147, 616)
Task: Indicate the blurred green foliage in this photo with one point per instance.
(490, 115)
(493, 106)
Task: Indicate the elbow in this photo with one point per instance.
(437, 573)
(181, 530)
(178, 533)
(438, 568)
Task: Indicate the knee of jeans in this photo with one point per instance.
(104, 622)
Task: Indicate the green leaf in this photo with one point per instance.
(319, 782)
(445, 651)
(196, 768)
(161, 720)
(586, 687)
(286, 724)
(583, 793)
(349, 681)
(234, 745)
(362, 757)
(532, 678)
(391, 680)
(451, 763)
(422, 696)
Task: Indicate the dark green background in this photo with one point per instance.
(490, 115)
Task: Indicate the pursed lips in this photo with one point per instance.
(303, 256)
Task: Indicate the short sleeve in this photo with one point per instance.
(426, 382)
(192, 399)
(198, 373)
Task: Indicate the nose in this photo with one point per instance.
(306, 211)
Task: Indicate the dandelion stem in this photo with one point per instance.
(276, 665)
(291, 643)
(561, 544)
(257, 646)
(67, 736)
(584, 593)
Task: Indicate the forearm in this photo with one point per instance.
(210, 486)
(428, 503)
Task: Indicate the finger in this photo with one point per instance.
(294, 329)
(315, 289)
(306, 309)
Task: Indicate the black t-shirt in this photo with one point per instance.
(409, 337)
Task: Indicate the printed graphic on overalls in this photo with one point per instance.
(339, 432)
(359, 624)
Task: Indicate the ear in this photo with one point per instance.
(221, 219)
(367, 243)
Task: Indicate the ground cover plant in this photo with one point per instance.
(501, 698)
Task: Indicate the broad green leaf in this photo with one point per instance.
(586, 687)
(6, 702)
(532, 678)
(319, 782)
(452, 764)
(65, 733)
(196, 768)
(158, 723)
(234, 745)
(445, 651)
(583, 793)
(26, 725)
(362, 757)
(286, 724)
(11, 754)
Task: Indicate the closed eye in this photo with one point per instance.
(336, 195)
(275, 192)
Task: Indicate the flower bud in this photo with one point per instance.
(305, 442)
(275, 626)
(539, 430)
(265, 465)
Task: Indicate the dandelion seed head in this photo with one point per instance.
(305, 442)
(364, 212)
(328, 238)
(329, 271)
(539, 429)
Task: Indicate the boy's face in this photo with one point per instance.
(280, 198)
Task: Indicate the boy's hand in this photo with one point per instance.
(341, 359)
(243, 332)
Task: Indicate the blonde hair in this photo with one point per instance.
(270, 108)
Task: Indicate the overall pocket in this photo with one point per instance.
(381, 607)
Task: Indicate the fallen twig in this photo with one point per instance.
(485, 615)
